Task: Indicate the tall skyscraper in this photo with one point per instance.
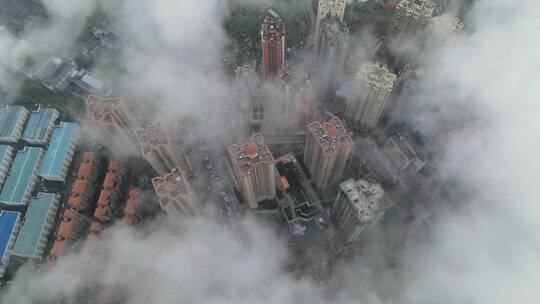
(297, 99)
(157, 148)
(359, 204)
(411, 17)
(329, 9)
(113, 122)
(327, 149)
(372, 87)
(332, 51)
(175, 193)
(254, 168)
(273, 47)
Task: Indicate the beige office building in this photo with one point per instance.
(372, 87)
(254, 168)
(327, 149)
(411, 17)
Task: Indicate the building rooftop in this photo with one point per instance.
(107, 36)
(330, 135)
(132, 204)
(35, 220)
(152, 137)
(63, 71)
(365, 197)
(20, 176)
(91, 83)
(6, 159)
(88, 164)
(4, 152)
(254, 152)
(59, 146)
(374, 74)
(417, 7)
(101, 110)
(171, 186)
(111, 178)
(8, 222)
(10, 116)
(39, 123)
(272, 29)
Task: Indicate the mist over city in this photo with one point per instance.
(269, 151)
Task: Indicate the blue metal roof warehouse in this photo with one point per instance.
(40, 125)
(38, 224)
(22, 177)
(6, 158)
(12, 119)
(59, 152)
(9, 227)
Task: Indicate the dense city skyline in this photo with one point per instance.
(268, 151)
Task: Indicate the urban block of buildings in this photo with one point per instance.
(254, 168)
(273, 47)
(327, 149)
(358, 205)
(372, 88)
(33, 148)
(411, 17)
(176, 194)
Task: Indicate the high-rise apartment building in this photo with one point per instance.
(327, 149)
(372, 87)
(332, 9)
(297, 99)
(404, 153)
(254, 169)
(175, 193)
(273, 47)
(359, 204)
(333, 43)
(113, 122)
(157, 148)
(411, 17)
